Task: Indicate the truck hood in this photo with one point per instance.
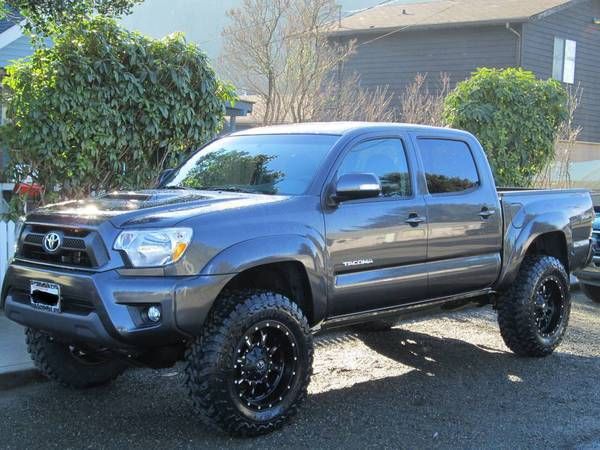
(147, 208)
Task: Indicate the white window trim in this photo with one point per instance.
(568, 60)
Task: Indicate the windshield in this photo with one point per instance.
(264, 164)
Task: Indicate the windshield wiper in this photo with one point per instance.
(183, 188)
(230, 189)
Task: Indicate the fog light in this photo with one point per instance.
(153, 314)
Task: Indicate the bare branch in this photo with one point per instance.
(281, 52)
(557, 174)
(420, 106)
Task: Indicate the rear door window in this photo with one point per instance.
(449, 166)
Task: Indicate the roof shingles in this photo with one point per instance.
(445, 13)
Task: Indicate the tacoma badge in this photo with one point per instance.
(358, 262)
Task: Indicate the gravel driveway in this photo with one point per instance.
(445, 382)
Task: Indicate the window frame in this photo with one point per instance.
(560, 50)
(471, 190)
(351, 146)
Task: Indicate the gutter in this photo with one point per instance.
(414, 27)
(519, 44)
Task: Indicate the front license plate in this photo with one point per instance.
(45, 295)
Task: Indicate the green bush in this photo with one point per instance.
(514, 115)
(47, 16)
(105, 108)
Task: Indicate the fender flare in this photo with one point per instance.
(518, 241)
(274, 249)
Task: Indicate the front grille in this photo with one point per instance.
(62, 257)
(68, 243)
(80, 248)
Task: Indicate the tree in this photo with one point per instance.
(515, 116)
(557, 174)
(42, 16)
(105, 108)
(281, 51)
(419, 105)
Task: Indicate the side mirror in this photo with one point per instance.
(353, 186)
(163, 176)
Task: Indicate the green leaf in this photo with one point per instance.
(514, 115)
(103, 98)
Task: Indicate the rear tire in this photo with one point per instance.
(70, 365)
(248, 371)
(534, 313)
(591, 292)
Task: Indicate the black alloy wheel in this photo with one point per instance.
(549, 306)
(533, 313)
(266, 365)
(248, 371)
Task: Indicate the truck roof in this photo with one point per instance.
(335, 128)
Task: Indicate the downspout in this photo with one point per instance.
(519, 53)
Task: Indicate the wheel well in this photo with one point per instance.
(551, 244)
(286, 278)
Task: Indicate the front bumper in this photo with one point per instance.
(106, 308)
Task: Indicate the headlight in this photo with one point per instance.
(152, 248)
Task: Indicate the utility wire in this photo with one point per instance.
(384, 4)
(404, 27)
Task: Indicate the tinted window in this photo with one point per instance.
(386, 159)
(449, 166)
(265, 164)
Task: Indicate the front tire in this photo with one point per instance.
(70, 365)
(591, 292)
(534, 313)
(248, 371)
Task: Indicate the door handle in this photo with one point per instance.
(486, 213)
(414, 220)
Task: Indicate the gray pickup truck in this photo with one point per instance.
(264, 237)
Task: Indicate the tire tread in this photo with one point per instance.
(206, 353)
(43, 351)
(514, 310)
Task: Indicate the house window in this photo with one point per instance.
(563, 67)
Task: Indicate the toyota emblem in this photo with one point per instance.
(52, 242)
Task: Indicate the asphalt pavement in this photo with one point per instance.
(447, 382)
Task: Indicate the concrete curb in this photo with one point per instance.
(16, 367)
(19, 378)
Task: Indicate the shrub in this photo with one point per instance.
(515, 116)
(47, 16)
(106, 108)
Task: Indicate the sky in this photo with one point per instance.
(201, 20)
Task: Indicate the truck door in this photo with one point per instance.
(377, 246)
(464, 217)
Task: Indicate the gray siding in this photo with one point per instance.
(395, 60)
(573, 23)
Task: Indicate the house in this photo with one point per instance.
(13, 44)
(552, 38)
